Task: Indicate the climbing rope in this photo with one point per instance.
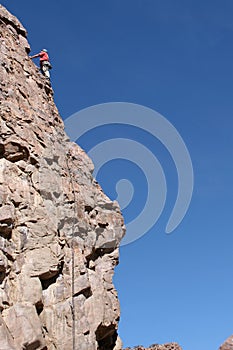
(72, 254)
(69, 156)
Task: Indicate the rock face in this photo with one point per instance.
(228, 344)
(59, 233)
(168, 346)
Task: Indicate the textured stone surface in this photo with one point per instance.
(168, 346)
(59, 233)
(228, 344)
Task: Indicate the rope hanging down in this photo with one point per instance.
(69, 156)
(72, 253)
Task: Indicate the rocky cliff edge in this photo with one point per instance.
(59, 233)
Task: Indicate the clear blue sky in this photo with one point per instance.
(174, 56)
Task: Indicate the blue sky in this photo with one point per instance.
(176, 57)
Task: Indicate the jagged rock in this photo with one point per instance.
(119, 344)
(228, 344)
(24, 326)
(6, 220)
(6, 340)
(59, 233)
(167, 346)
(14, 151)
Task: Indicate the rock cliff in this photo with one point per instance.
(168, 346)
(59, 233)
(228, 344)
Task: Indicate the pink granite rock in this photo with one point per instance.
(56, 264)
(228, 344)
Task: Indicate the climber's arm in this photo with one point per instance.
(34, 56)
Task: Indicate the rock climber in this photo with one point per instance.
(45, 65)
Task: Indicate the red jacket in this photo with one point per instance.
(43, 56)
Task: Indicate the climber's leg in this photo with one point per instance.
(45, 70)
